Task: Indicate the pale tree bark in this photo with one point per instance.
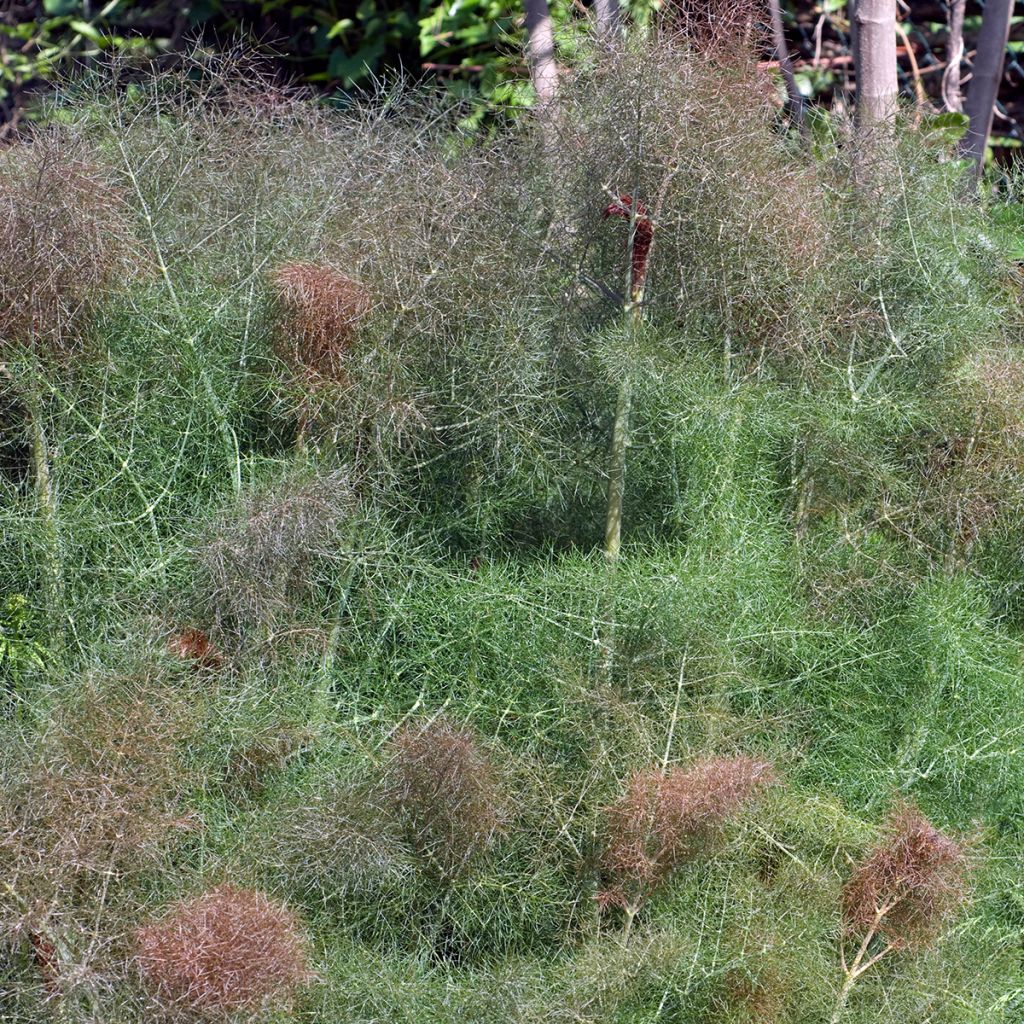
(986, 72)
(954, 55)
(796, 101)
(875, 64)
(609, 17)
(540, 51)
(851, 14)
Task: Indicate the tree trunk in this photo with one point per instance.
(954, 55)
(609, 17)
(540, 51)
(796, 101)
(985, 76)
(851, 13)
(875, 64)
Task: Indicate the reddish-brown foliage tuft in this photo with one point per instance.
(95, 802)
(64, 238)
(909, 884)
(758, 1001)
(972, 476)
(268, 751)
(643, 235)
(228, 950)
(443, 788)
(271, 550)
(191, 644)
(103, 795)
(723, 28)
(44, 953)
(665, 818)
(321, 308)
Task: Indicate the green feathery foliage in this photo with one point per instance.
(327, 639)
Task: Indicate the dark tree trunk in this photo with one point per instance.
(796, 101)
(986, 74)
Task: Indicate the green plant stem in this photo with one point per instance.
(231, 448)
(632, 909)
(844, 996)
(617, 472)
(860, 965)
(617, 482)
(46, 501)
(620, 442)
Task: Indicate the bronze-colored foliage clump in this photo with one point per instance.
(444, 790)
(194, 645)
(320, 309)
(101, 796)
(65, 239)
(665, 818)
(271, 550)
(753, 1000)
(902, 893)
(99, 799)
(249, 768)
(226, 951)
(910, 884)
(973, 474)
(725, 28)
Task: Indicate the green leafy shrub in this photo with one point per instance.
(332, 557)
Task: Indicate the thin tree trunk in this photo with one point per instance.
(609, 17)
(985, 76)
(954, 55)
(540, 51)
(796, 101)
(851, 13)
(875, 63)
(877, 91)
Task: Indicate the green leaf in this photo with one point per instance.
(340, 27)
(351, 68)
(948, 127)
(60, 7)
(88, 30)
(1008, 219)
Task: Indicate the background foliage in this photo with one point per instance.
(472, 47)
